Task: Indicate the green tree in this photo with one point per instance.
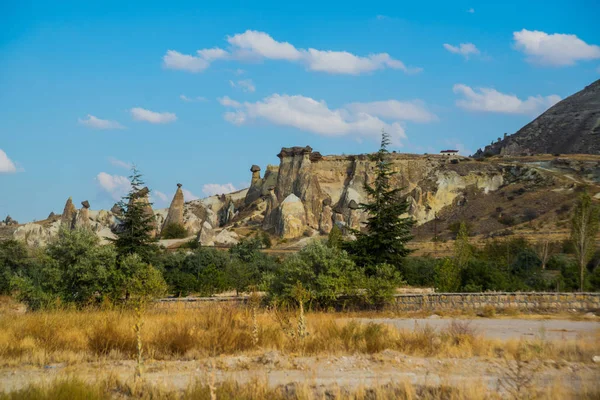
(448, 276)
(327, 273)
(13, 261)
(140, 281)
(387, 232)
(334, 239)
(136, 234)
(174, 231)
(584, 227)
(381, 285)
(463, 251)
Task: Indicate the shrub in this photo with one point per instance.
(327, 273)
(381, 285)
(174, 231)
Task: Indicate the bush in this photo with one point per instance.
(327, 273)
(381, 285)
(419, 271)
(174, 231)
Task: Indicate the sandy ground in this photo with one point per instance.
(351, 371)
(505, 328)
(348, 372)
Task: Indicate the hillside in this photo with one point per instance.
(571, 126)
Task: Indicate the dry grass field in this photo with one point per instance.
(239, 352)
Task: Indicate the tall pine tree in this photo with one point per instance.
(136, 235)
(384, 241)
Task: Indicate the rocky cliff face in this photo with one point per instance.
(307, 194)
(571, 126)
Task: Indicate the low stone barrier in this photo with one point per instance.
(441, 301)
(499, 300)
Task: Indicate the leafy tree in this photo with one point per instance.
(137, 226)
(584, 227)
(335, 239)
(463, 251)
(13, 261)
(327, 273)
(140, 281)
(448, 276)
(381, 285)
(481, 276)
(420, 271)
(384, 241)
(174, 231)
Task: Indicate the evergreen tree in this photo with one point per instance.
(463, 252)
(384, 241)
(584, 227)
(136, 235)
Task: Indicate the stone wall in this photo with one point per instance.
(441, 301)
(521, 301)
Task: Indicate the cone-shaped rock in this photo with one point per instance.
(175, 214)
(82, 220)
(142, 197)
(69, 213)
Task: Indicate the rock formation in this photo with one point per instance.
(82, 220)
(175, 214)
(143, 197)
(69, 213)
(570, 126)
(291, 218)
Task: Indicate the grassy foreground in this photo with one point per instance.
(73, 336)
(74, 389)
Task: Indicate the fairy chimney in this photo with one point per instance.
(69, 213)
(175, 214)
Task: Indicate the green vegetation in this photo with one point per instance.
(174, 231)
(387, 232)
(584, 227)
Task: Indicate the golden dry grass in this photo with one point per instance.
(73, 336)
(75, 389)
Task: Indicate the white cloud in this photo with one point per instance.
(211, 189)
(262, 44)
(192, 99)
(141, 114)
(464, 49)
(471, 11)
(414, 111)
(554, 49)
(314, 116)
(246, 85)
(116, 186)
(228, 102)
(255, 45)
(213, 54)
(490, 100)
(97, 123)
(160, 198)
(118, 163)
(189, 196)
(342, 62)
(6, 164)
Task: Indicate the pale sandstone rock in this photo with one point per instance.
(69, 214)
(226, 237)
(292, 218)
(175, 213)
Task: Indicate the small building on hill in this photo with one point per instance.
(449, 152)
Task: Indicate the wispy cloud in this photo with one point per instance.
(211, 189)
(7, 166)
(491, 100)
(255, 45)
(96, 123)
(246, 85)
(471, 11)
(141, 114)
(192, 99)
(355, 119)
(118, 163)
(116, 186)
(464, 49)
(555, 49)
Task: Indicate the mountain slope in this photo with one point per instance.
(571, 126)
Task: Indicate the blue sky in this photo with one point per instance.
(197, 92)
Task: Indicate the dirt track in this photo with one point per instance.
(506, 328)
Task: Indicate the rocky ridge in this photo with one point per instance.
(571, 126)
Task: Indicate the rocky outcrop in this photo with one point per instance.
(175, 214)
(69, 213)
(570, 126)
(8, 221)
(82, 220)
(143, 197)
(291, 217)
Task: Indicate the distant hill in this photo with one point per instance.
(571, 126)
